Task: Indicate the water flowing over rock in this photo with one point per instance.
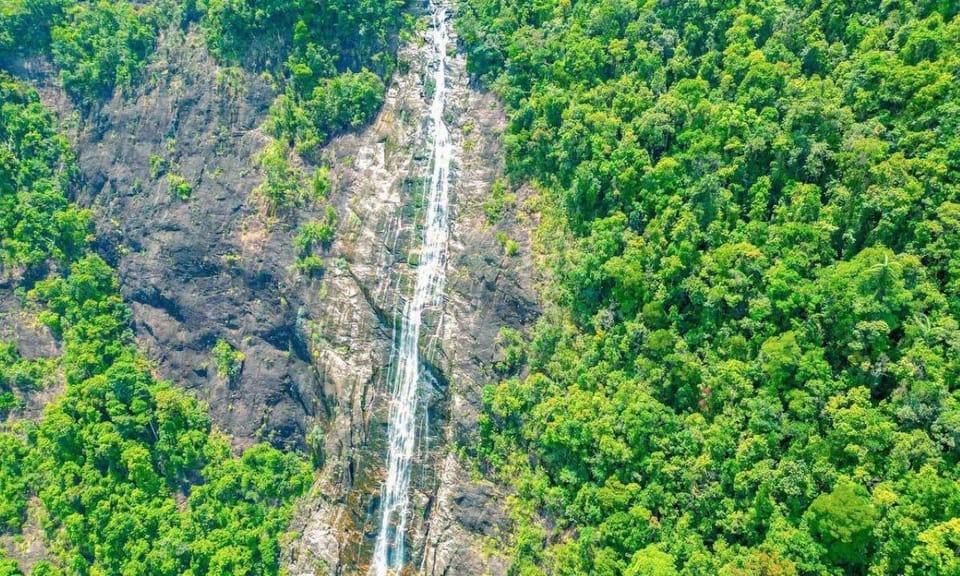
(322, 355)
(431, 276)
(393, 263)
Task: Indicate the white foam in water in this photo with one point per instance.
(388, 556)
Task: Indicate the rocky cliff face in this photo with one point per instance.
(380, 175)
(209, 266)
(318, 351)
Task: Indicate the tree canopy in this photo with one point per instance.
(748, 359)
(330, 57)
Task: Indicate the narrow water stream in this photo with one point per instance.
(388, 556)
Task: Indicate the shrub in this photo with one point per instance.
(229, 361)
(179, 186)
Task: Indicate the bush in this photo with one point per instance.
(102, 45)
(178, 186)
(498, 203)
(229, 361)
(321, 183)
(313, 234)
(311, 265)
(158, 166)
(282, 182)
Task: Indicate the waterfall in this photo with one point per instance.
(388, 554)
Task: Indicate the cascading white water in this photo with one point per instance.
(388, 554)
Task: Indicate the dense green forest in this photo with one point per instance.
(329, 57)
(749, 362)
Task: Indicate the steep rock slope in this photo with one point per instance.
(211, 265)
(380, 174)
(200, 268)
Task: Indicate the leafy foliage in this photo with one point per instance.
(36, 221)
(101, 45)
(843, 522)
(19, 376)
(347, 101)
(283, 183)
(229, 360)
(25, 25)
(498, 202)
(179, 186)
(97, 45)
(320, 35)
(313, 234)
(748, 364)
(13, 488)
(334, 55)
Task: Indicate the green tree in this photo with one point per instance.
(651, 562)
(936, 553)
(843, 522)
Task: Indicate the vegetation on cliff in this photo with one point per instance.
(335, 55)
(123, 473)
(98, 46)
(750, 359)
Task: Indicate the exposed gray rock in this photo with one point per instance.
(206, 267)
(318, 352)
(454, 517)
